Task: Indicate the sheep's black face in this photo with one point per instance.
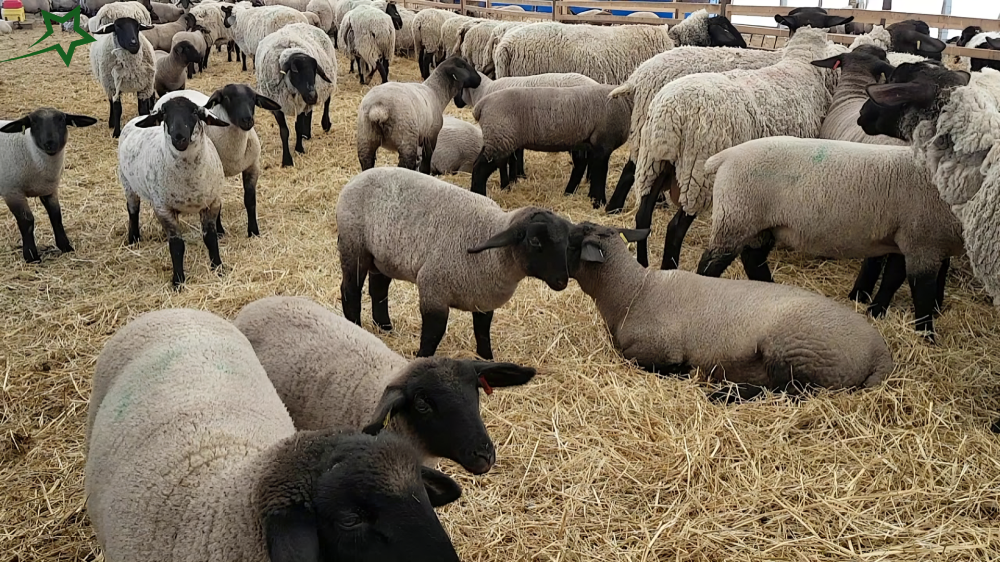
(588, 243)
(126, 31)
(911, 96)
(977, 65)
(539, 245)
(866, 58)
(239, 101)
(397, 20)
(722, 33)
(462, 72)
(48, 128)
(913, 37)
(372, 502)
(187, 52)
(816, 18)
(967, 34)
(301, 71)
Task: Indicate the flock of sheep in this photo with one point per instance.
(875, 151)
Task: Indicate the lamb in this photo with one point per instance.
(177, 170)
(170, 67)
(291, 59)
(606, 54)
(332, 373)
(122, 62)
(459, 144)
(370, 34)
(234, 478)
(165, 13)
(211, 16)
(832, 198)
(250, 27)
(398, 224)
(32, 162)
(117, 10)
(238, 146)
(696, 116)
(951, 119)
(201, 39)
(427, 37)
(552, 120)
(161, 36)
(702, 30)
(407, 117)
(758, 335)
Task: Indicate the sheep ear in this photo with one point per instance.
(319, 71)
(441, 489)
(993, 42)
(633, 235)
(508, 237)
(80, 120)
(291, 535)
(832, 62)
(392, 400)
(966, 77)
(267, 103)
(18, 126)
(152, 120)
(144, 27)
(930, 45)
(501, 374)
(787, 21)
(214, 100)
(894, 95)
(210, 119)
(105, 29)
(834, 21)
(591, 251)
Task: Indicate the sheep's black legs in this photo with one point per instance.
(942, 278)
(505, 175)
(665, 369)
(190, 70)
(26, 225)
(576, 175)
(644, 218)
(425, 64)
(229, 51)
(244, 62)
(111, 114)
(625, 181)
(218, 223)
(864, 285)
(755, 259)
(249, 201)
(676, 231)
(204, 64)
(378, 290)
(520, 166)
(598, 164)
(481, 172)
(892, 279)
(326, 123)
(51, 204)
(383, 70)
(143, 106)
(427, 152)
(176, 244)
(924, 289)
(301, 132)
(512, 168)
(715, 262)
(481, 322)
(286, 155)
(433, 325)
(132, 204)
(739, 392)
(210, 236)
(116, 118)
(352, 280)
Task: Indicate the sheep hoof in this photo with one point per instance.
(995, 428)
(384, 326)
(877, 310)
(861, 297)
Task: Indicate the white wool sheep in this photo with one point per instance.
(237, 145)
(211, 16)
(459, 144)
(249, 27)
(451, 33)
(489, 66)
(312, 19)
(110, 12)
(427, 37)
(368, 35)
(696, 116)
(191, 454)
(837, 199)
(398, 224)
(310, 53)
(407, 117)
(32, 153)
(473, 41)
(606, 54)
(122, 62)
(176, 169)
(331, 373)
(404, 37)
(340, 9)
(300, 5)
(758, 335)
(324, 9)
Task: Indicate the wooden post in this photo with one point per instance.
(461, 8)
(554, 8)
(724, 8)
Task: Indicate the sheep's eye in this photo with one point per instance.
(535, 242)
(421, 406)
(350, 521)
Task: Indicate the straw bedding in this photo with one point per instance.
(597, 460)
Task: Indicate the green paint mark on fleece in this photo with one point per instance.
(820, 155)
(152, 369)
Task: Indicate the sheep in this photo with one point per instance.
(161, 36)
(5, 28)
(211, 16)
(488, 65)
(816, 18)
(606, 54)
(324, 9)
(702, 30)
(404, 37)
(62, 5)
(552, 120)
(858, 69)
(473, 40)
(36, 6)
(250, 27)
(300, 5)
(394, 223)
(191, 455)
(832, 198)
(165, 13)
(989, 40)
(451, 30)
(312, 19)
(427, 37)
(238, 146)
(200, 39)
(642, 15)
(340, 10)
(122, 61)
(951, 119)
(459, 144)
(595, 12)
(758, 335)
(177, 170)
(116, 10)
(171, 67)
(332, 373)
(291, 59)
(913, 36)
(696, 116)
(370, 34)
(407, 117)
(32, 162)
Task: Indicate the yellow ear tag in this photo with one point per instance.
(385, 423)
(282, 72)
(622, 234)
(918, 44)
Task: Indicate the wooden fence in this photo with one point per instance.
(760, 37)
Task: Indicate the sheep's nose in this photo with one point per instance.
(246, 124)
(180, 142)
(49, 147)
(483, 459)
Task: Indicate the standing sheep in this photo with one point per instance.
(250, 26)
(369, 36)
(331, 373)
(122, 61)
(427, 37)
(291, 60)
(758, 335)
(473, 42)
(404, 37)
(176, 169)
(32, 151)
(407, 117)
(696, 116)
(191, 456)
(394, 223)
(171, 67)
(489, 66)
(324, 10)
(111, 12)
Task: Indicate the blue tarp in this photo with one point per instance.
(575, 10)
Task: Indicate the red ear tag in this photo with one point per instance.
(836, 65)
(485, 385)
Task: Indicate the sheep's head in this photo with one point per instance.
(913, 94)
(126, 33)
(913, 37)
(436, 401)
(397, 20)
(537, 239)
(722, 33)
(867, 59)
(460, 71)
(239, 101)
(813, 17)
(186, 51)
(48, 128)
(967, 34)
(301, 70)
(181, 119)
(990, 44)
(331, 495)
(591, 243)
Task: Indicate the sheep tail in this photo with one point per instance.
(625, 90)
(379, 114)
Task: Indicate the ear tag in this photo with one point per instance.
(836, 65)
(918, 44)
(385, 422)
(485, 385)
(622, 234)
(281, 72)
